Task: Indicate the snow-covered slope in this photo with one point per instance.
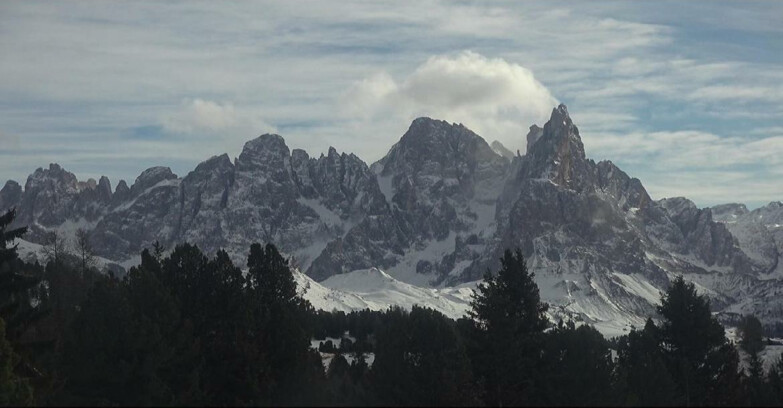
(375, 290)
(437, 211)
(32, 252)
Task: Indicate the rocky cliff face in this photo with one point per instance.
(438, 209)
(440, 183)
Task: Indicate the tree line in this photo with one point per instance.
(187, 329)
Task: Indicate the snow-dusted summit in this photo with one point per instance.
(436, 212)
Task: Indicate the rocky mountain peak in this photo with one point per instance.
(55, 181)
(122, 188)
(10, 194)
(430, 142)
(533, 135)
(728, 212)
(266, 142)
(678, 205)
(770, 214)
(214, 163)
(439, 208)
(558, 153)
(427, 132)
(500, 149)
(121, 193)
(266, 153)
(151, 177)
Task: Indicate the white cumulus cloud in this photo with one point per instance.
(495, 98)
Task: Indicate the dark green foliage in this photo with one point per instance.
(752, 343)
(8, 236)
(641, 376)
(14, 390)
(420, 360)
(775, 382)
(703, 364)
(186, 329)
(346, 345)
(19, 293)
(326, 347)
(130, 344)
(189, 330)
(510, 322)
(280, 316)
(16, 286)
(752, 334)
(576, 359)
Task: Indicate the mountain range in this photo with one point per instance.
(435, 212)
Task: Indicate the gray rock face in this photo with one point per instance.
(498, 148)
(532, 137)
(442, 181)
(436, 169)
(709, 241)
(759, 234)
(438, 209)
(10, 194)
(728, 212)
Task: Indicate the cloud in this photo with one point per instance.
(711, 187)
(687, 150)
(493, 97)
(8, 141)
(204, 117)
(738, 93)
(86, 81)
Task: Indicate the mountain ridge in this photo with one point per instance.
(437, 210)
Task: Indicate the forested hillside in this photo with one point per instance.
(193, 329)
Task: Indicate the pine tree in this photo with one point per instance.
(15, 286)
(14, 390)
(8, 254)
(775, 382)
(420, 360)
(641, 376)
(281, 315)
(576, 359)
(510, 318)
(752, 343)
(702, 362)
(18, 308)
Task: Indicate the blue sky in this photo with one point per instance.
(690, 102)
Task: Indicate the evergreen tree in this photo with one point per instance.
(751, 334)
(641, 376)
(775, 382)
(19, 309)
(131, 345)
(8, 254)
(97, 357)
(281, 315)
(702, 362)
(510, 319)
(577, 368)
(14, 390)
(15, 286)
(752, 343)
(420, 360)
(340, 383)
